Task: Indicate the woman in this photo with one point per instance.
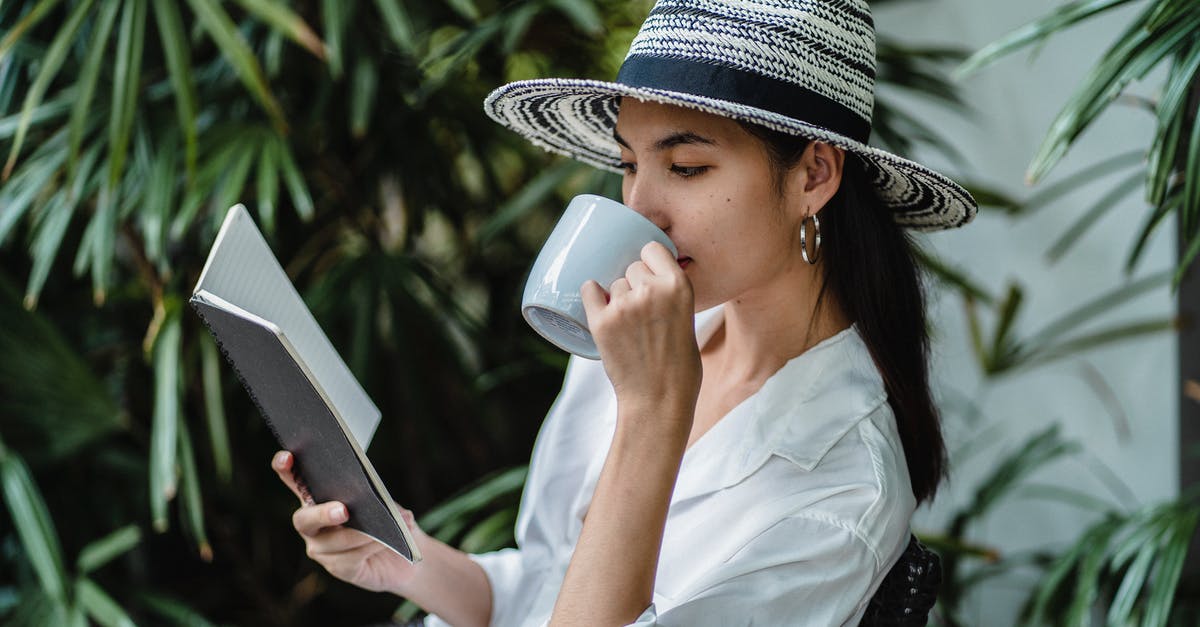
(759, 430)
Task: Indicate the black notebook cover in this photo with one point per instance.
(325, 460)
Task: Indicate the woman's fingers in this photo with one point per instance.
(338, 542)
(638, 274)
(311, 519)
(659, 260)
(594, 299)
(282, 463)
(619, 289)
(410, 519)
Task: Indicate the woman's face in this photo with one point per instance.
(708, 183)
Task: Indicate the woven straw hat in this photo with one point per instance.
(803, 67)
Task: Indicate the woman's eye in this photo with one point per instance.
(630, 168)
(687, 171)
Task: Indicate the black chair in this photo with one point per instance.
(909, 590)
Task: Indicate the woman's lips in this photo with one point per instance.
(684, 261)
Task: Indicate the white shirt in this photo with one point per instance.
(788, 511)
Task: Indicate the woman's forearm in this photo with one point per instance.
(610, 579)
(450, 585)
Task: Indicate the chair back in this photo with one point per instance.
(909, 590)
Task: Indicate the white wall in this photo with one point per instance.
(1015, 101)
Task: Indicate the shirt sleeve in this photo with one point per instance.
(800, 571)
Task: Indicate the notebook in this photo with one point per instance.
(305, 392)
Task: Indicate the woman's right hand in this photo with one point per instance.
(346, 553)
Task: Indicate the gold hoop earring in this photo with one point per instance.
(804, 242)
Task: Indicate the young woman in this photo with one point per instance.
(752, 444)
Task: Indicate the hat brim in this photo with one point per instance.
(576, 117)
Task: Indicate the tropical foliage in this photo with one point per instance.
(1164, 33)
(1127, 566)
(403, 214)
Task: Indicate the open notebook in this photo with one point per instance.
(305, 392)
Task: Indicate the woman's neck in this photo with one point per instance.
(761, 332)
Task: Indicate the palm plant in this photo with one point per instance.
(392, 201)
(1128, 565)
(1000, 354)
(1165, 32)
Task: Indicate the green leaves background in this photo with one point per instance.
(128, 128)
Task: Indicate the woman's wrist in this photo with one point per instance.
(652, 432)
(406, 586)
(448, 583)
(668, 415)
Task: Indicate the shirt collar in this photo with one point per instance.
(799, 413)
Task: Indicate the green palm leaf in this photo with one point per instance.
(174, 43)
(1135, 54)
(33, 523)
(1164, 30)
(337, 15)
(99, 605)
(286, 21)
(35, 15)
(51, 401)
(29, 185)
(192, 503)
(164, 436)
(214, 409)
(1061, 18)
(48, 110)
(224, 33)
(51, 64)
(471, 499)
(100, 552)
(46, 241)
(131, 36)
(89, 75)
(399, 26)
(1109, 201)
(178, 613)
(1139, 554)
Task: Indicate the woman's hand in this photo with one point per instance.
(347, 554)
(645, 330)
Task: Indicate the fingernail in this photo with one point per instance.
(280, 458)
(338, 513)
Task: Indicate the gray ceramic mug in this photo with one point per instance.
(596, 238)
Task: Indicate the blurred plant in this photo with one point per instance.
(1135, 559)
(63, 598)
(405, 216)
(967, 564)
(1128, 565)
(59, 414)
(479, 519)
(1164, 32)
(1005, 354)
(959, 552)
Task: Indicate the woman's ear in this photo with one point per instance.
(818, 174)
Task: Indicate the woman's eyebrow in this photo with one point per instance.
(670, 141)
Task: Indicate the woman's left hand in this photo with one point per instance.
(645, 331)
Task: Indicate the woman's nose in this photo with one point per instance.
(642, 198)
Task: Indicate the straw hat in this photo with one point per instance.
(803, 67)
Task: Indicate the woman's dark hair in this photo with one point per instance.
(870, 265)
